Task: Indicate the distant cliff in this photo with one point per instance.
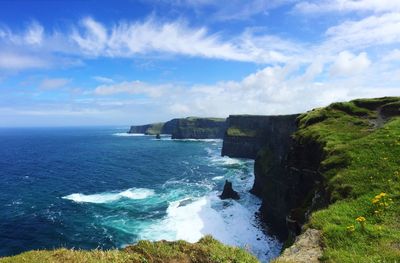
(186, 128)
(199, 128)
(148, 129)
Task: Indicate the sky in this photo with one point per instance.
(98, 62)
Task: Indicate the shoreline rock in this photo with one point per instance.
(228, 192)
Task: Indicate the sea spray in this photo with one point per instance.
(132, 193)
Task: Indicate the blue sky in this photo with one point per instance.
(87, 62)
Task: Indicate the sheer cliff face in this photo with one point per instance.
(246, 135)
(267, 140)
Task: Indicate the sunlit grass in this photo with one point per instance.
(206, 250)
(361, 167)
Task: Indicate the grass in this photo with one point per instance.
(207, 118)
(206, 250)
(155, 129)
(360, 161)
(240, 132)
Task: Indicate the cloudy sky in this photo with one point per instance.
(98, 62)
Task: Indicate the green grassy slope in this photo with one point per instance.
(154, 129)
(361, 165)
(206, 250)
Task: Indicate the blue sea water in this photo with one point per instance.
(98, 188)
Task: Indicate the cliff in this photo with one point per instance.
(266, 139)
(185, 128)
(148, 129)
(199, 128)
(337, 173)
(247, 134)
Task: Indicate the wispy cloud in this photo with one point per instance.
(229, 10)
(323, 6)
(91, 39)
(19, 61)
(175, 38)
(133, 88)
(34, 34)
(53, 83)
(357, 57)
(370, 31)
(103, 79)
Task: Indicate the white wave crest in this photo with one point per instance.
(132, 193)
(198, 140)
(225, 161)
(210, 215)
(125, 134)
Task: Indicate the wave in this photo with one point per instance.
(132, 193)
(125, 134)
(209, 215)
(226, 161)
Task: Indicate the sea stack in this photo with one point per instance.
(228, 192)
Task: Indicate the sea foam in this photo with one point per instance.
(228, 221)
(125, 134)
(198, 140)
(132, 193)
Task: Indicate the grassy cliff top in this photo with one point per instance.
(205, 118)
(155, 128)
(241, 132)
(360, 141)
(206, 250)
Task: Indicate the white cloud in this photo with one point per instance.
(323, 6)
(133, 88)
(238, 9)
(370, 31)
(347, 64)
(103, 79)
(139, 38)
(179, 109)
(53, 83)
(394, 55)
(271, 90)
(20, 61)
(230, 10)
(94, 38)
(34, 34)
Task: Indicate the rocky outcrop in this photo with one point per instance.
(185, 128)
(228, 192)
(306, 249)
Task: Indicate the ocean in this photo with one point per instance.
(102, 188)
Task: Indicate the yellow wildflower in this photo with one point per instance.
(351, 228)
(360, 219)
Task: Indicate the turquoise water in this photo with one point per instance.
(98, 188)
